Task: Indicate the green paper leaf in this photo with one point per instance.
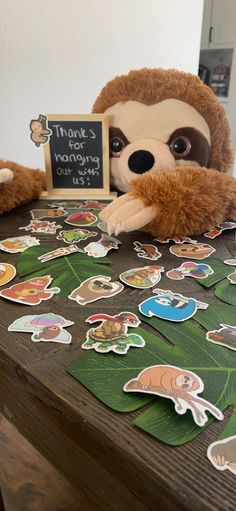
(105, 375)
(226, 292)
(221, 271)
(67, 272)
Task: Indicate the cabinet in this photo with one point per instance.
(219, 24)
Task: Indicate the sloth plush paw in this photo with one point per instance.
(127, 213)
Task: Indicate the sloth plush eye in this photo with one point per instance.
(180, 146)
(116, 146)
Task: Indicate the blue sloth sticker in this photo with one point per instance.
(170, 306)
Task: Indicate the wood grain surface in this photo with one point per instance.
(114, 465)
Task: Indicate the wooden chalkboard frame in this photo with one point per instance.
(73, 193)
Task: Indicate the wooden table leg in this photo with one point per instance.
(2, 508)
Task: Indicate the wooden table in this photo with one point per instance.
(114, 465)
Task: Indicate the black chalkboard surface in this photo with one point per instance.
(77, 155)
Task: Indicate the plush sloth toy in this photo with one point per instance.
(170, 153)
(19, 185)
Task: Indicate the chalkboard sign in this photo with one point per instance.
(77, 155)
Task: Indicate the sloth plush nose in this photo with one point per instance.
(141, 161)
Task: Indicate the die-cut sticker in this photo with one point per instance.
(93, 205)
(147, 251)
(225, 336)
(192, 250)
(38, 214)
(178, 240)
(170, 306)
(75, 235)
(142, 278)
(222, 454)
(218, 229)
(65, 205)
(232, 277)
(95, 288)
(45, 327)
(179, 385)
(30, 292)
(112, 333)
(18, 244)
(230, 262)
(81, 219)
(59, 252)
(101, 247)
(42, 226)
(190, 269)
(7, 273)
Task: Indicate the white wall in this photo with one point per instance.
(56, 55)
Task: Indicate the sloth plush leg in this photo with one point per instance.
(183, 202)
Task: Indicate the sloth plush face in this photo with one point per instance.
(153, 138)
(162, 120)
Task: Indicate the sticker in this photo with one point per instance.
(101, 247)
(179, 385)
(190, 269)
(146, 251)
(170, 306)
(225, 336)
(30, 292)
(18, 244)
(75, 235)
(232, 277)
(112, 333)
(7, 273)
(59, 252)
(44, 227)
(218, 229)
(142, 278)
(178, 240)
(65, 204)
(192, 250)
(93, 205)
(40, 132)
(95, 288)
(222, 454)
(45, 327)
(37, 214)
(103, 227)
(80, 219)
(230, 262)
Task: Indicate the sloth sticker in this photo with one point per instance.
(18, 244)
(225, 336)
(7, 273)
(38, 214)
(112, 333)
(170, 306)
(178, 240)
(222, 454)
(179, 385)
(30, 292)
(59, 252)
(232, 277)
(190, 269)
(146, 251)
(192, 250)
(48, 327)
(75, 235)
(42, 226)
(81, 219)
(94, 289)
(142, 278)
(216, 231)
(101, 247)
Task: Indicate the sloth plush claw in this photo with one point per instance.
(170, 151)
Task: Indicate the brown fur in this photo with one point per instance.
(26, 185)
(150, 86)
(188, 200)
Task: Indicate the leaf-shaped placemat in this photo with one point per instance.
(67, 272)
(226, 292)
(105, 375)
(221, 271)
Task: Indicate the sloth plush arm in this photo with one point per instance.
(181, 202)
